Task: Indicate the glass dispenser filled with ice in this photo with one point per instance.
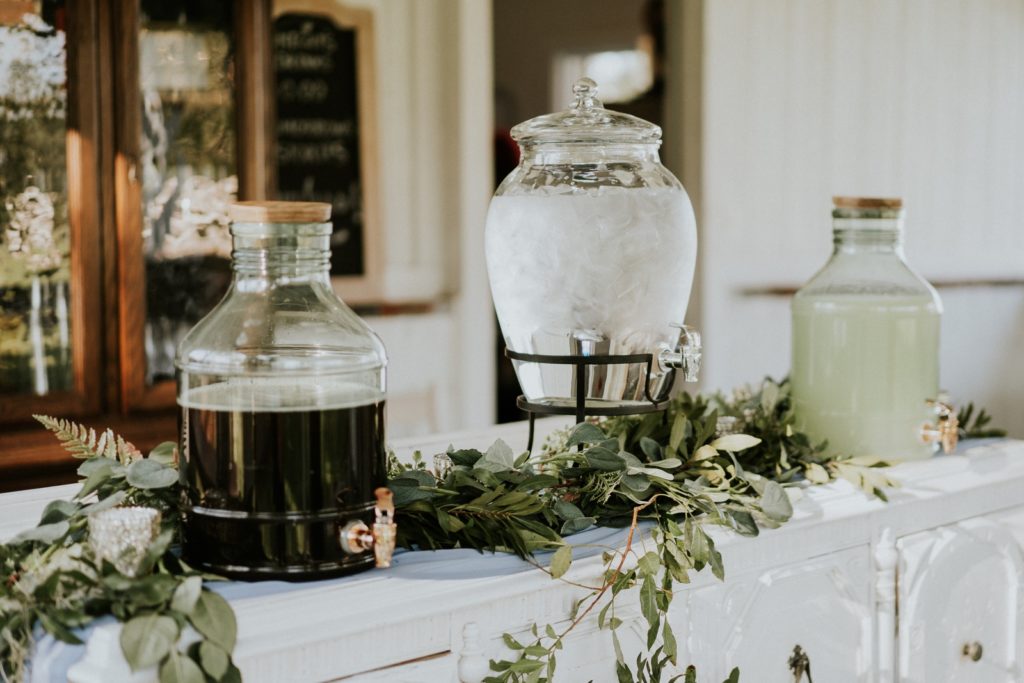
(866, 343)
(591, 245)
(281, 398)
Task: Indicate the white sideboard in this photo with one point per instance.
(926, 588)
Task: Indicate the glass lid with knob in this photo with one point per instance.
(591, 245)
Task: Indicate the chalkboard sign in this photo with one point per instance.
(319, 146)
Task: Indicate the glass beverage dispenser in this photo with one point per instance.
(866, 343)
(591, 245)
(281, 397)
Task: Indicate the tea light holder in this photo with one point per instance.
(122, 535)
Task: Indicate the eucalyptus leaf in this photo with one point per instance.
(769, 395)
(566, 510)
(186, 595)
(498, 458)
(147, 639)
(213, 617)
(213, 659)
(525, 666)
(94, 463)
(407, 491)
(584, 433)
(668, 640)
(604, 459)
(705, 452)
(576, 525)
(465, 457)
(180, 669)
(56, 628)
(58, 510)
(97, 477)
(560, 561)
(743, 522)
(636, 483)
(648, 600)
(149, 474)
(816, 474)
(111, 501)
(775, 503)
(678, 433)
(666, 464)
(649, 564)
(164, 453)
(650, 448)
(735, 442)
(44, 533)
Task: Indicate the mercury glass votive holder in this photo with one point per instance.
(122, 535)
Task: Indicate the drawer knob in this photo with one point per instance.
(973, 651)
(800, 665)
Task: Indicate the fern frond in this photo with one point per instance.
(83, 442)
(77, 439)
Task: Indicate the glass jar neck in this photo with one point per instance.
(855, 235)
(291, 252)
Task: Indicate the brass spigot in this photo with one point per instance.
(685, 355)
(946, 429)
(355, 537)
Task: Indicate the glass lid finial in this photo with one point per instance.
(585, 92)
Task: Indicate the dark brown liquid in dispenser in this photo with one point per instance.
(267, 491)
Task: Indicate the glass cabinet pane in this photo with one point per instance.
(35, 325)
(188, 167)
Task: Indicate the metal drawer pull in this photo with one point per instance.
(973, 651)
(800, 665)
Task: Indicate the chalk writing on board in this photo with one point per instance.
(317, 129)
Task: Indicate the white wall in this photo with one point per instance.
(434, 117)
(804, 99)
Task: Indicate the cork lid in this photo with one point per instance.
(279, 212)
(867, 202)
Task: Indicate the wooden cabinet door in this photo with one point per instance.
(960, 604)
(757, 620)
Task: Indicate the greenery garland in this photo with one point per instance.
(680, 470)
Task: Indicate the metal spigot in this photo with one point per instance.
(355, 537)
(685, 355)
(945, 430)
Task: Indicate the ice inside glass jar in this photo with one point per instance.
(591, 246)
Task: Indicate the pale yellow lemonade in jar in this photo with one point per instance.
(866, 341)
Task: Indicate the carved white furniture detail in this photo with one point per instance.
(924, 589)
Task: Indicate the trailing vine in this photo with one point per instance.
(719, 460)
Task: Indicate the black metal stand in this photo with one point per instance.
(581, 410)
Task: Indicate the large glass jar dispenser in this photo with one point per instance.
(281, 397)
(591, 245)
(866, 343)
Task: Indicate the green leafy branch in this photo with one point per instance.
(980, 428)
(52, 576)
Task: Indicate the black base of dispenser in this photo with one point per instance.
(583, 408)
(272, 547)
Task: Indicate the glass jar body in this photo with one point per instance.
(281, 391)
(590, 250)
(866, 350)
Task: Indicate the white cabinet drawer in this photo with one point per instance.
(960, 604)
(756, 620)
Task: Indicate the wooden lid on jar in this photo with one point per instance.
(867, 202)
(279, 212)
